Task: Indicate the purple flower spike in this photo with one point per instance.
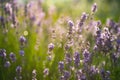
(110, 23)
(93, 70)
(66, 75)
(70, 23)
(7, 64)
(12, 57)
(83, 17)
(118, 41)
(22, 40)
(3, 53)
(86, 56)
(46, 72)
(77, 59)
(19, 69)
(68, 58)
(1, 19)
(98, 23)
(61, 66)
(22, 52)
(51, 46)
(94, 7)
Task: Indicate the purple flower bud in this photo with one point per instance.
(93, 70)
(83, 17)
(80, 24)
(70, 23)
(7, 64)
(98, 32)
(68, 58)
(22, 52)
(66, 75)
(94, 7)
(83, 77)
(77, 59)
(98, 23)
(110, 23)
(102, 72)
(8, 8)
(19, 69)
(118, 41)
(3, 53)
(46, 72)
(12, 57)
(51, 46)
(1, 19)
(22, 40)
(61, 66)
(86, 55)
(80, 75)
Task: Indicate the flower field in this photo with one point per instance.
(59, 40)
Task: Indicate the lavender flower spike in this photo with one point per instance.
(12, 57)
(46, 72)
(61, 66)
(51, 46)
(22, 40)
(7, 64)
(66, 75)
(19, 69)
(22, 52)
(94, 7)
(77, 59)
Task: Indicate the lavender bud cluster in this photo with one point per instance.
(12, 57)
(61, 66)
(46, 72)
(22, 52)
(22, 40)
(7, 64)
(50, 46)
(66, 75)
(94, 7)
(68, 58)
(77, 59)
(3, 53)
(86, 56)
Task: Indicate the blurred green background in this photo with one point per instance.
(74, 8)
